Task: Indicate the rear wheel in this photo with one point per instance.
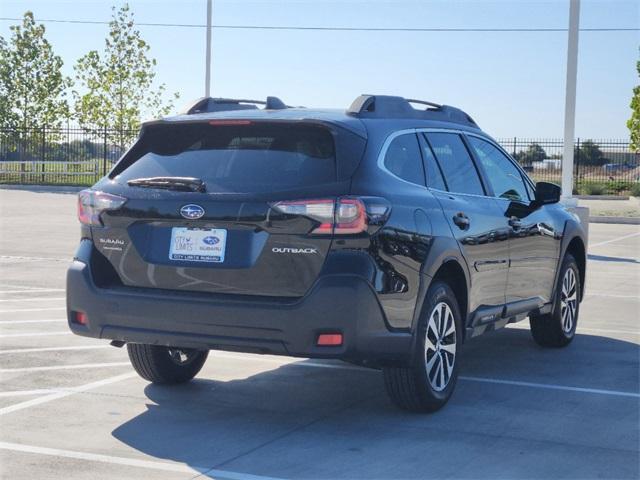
(427, 385)
(165, 365)
(557, 329)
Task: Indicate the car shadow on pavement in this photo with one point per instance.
(298, 415)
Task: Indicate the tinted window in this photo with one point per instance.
(434, 175)
(504, 177)
(237, 158)
(456, 164)
(403, 159)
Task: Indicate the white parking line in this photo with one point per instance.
(612, 295)
(584, 329)
(16, 257)
(14, 310)
(18, 322)
(29, 300)
(32, 290)
(550, 386)
(132, 462)
(614, 240)
(55, 396)
(53, 349)
(80, 366)
(36, 334)
(25, 288)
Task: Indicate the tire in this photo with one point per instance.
(423, 387)
(165, 365)
(557, 329)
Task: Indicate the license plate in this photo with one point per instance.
(198, 244)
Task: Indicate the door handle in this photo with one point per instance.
(461, 220)
(515, 223)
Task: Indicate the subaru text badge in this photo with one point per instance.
(192, 212)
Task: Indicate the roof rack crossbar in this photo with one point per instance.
(385, 106)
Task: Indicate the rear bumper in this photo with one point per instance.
(337, 303)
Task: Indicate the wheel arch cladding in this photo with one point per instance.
(577, 250)
(452, 274)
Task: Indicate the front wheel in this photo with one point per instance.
(166, 365)
(557, 329)
(427, 385)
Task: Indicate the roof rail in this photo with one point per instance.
(209, 104)
(385, 106)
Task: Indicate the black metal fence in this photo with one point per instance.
(76, 156)
(599, 166)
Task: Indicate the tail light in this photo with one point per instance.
(342, 216)
(92, 203)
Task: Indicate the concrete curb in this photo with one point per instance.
(618, 220)
(601, 197)
(43, 188)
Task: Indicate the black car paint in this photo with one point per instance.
(510, 268)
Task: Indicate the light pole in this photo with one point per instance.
(570, 103)
(207, 75)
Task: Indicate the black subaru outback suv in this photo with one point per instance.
(386, 235)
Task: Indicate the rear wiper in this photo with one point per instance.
(183, 184)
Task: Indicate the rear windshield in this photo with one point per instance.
(235, 158)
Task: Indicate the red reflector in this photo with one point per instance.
(329, 339)
(229, 122)
(81, 318)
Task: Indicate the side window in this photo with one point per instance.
(434, 175)
(403, 159)
(505, 178)
(457, 166)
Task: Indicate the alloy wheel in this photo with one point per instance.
(568, 300)
(440, 346)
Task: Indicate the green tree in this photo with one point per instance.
(32, 86)
(118, 83)
(589, 153)
(533, 153)
(634, 122)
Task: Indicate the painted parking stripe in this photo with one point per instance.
(33, 290)
(624, 237)
(549, 386)
(14, 310)
(133, 462)
(35, 334)
(30, 259)
(71, 391)
(53, 349)
(64, 367)
(29, 300)
(24, 288)
(466, 378)
(19, 322)
(612, 295)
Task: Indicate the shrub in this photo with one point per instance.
(635, 189)
(593, 189)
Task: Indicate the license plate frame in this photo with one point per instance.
(198, 245)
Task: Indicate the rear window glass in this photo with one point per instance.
(236, 158)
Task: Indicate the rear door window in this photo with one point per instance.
(455, 162)
(403, 159)
(237, 158)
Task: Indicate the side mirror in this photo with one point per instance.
(547, 193)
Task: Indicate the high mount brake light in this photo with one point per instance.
(92, 203)
(346, 215)
(229, 122)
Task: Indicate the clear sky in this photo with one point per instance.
(511, 83)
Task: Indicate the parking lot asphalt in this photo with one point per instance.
(73, 408)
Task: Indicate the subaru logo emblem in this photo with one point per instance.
(192, 212)
(210, 240)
